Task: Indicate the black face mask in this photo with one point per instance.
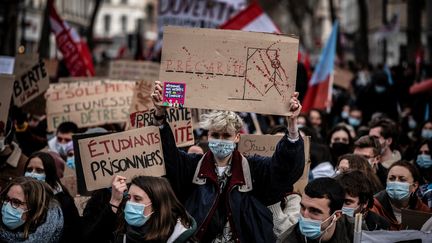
(338, 149)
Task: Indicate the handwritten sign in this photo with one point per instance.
(173, 94)
(141, 99)
(180, 121)
(129, 153)
(134, 70)
(231, 70)
(31, 78)
(263, 145)
(6, 83)
(89, 103)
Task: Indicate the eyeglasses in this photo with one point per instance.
(15, 203)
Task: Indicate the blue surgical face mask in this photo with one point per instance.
(426, 133)
(398, 190)
(354, 121)
(12, 217)
(312, 228)
(349, 211)
(70, 162)
(424, 160)
(221, 148)
(39, 177)
(134, 213)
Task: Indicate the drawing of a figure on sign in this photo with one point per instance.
(263, 73)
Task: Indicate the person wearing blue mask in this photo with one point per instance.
(29, 212)
(321, 218)
(426, 131)
(149, 213)
(359, 199)
(41, 166)
(423, 162)
(403, 180)
(224, 191)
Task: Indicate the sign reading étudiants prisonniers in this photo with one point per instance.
(180, 121)
(130, 153)
(31, 78)
(89, 103)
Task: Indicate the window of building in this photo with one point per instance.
(123, 22)
(107, 23)
(124, 1)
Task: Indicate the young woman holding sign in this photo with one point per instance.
(150, 213)
(29, 212)
(227, 193)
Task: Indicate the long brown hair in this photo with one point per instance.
(38, 196)
(167, 209)
(358, 162)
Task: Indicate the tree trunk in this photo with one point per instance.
(361, 46)
(414, 28)
(90, 39)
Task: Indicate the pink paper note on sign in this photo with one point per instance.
(174, 94)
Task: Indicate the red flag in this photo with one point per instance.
(75, 51)
(253, 18)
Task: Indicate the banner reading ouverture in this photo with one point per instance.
(231, 70)
(129, 153)
(89, 103)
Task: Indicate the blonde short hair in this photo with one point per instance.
(221, 121)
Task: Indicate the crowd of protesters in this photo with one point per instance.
(370, 155)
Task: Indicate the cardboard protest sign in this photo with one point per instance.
(230, 69)
(141, 100)
(6, 83)
(343, 77)
(88, 103)
(263, 145)
(31, 78)
(134, 70)
(6, 64)
(130, 153)
(180, 121)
